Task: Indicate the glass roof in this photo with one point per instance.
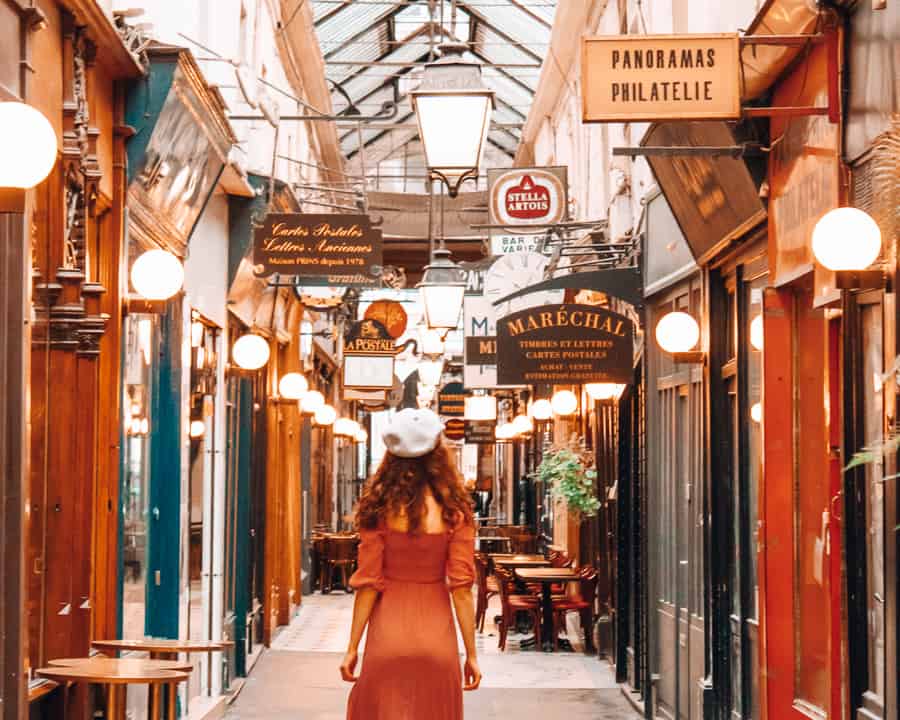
(376, 51)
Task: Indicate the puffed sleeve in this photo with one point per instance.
(461, 557)
(369, 561)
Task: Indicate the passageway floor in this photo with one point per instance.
(298, 678)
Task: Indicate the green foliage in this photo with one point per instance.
(564, 471)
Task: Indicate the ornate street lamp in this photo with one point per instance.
(442, 288)
(453, 110)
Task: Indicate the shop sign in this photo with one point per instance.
(480, 343)
(389, 313)
(452, 399)
(804, 175)
(564, 344)
(629, 78)
(455, 429)
(525, 197)
(323, 249)
(480, 432)
(368, 356)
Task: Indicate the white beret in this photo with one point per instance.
(413, 433)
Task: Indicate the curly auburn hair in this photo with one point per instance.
(400, 485)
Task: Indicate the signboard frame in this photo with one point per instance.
(596, 77)
(369, 354)
(555, 176)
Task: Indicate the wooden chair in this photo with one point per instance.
(523, 543)
(340, 554)
(577, 598)
(512, 604)
(487, 588)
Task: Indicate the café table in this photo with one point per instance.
(520, 561)
(166, 649)
(547, 576)
(116, 674)
(488, 543)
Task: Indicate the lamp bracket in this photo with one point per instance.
(860, 279)
(453, 188)
(136, 304)
(693, 357)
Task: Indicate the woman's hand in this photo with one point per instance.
(348, 666)
(472, 674)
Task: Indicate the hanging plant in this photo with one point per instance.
(570, 478)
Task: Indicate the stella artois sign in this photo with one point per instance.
(629, 78)
(526, 201)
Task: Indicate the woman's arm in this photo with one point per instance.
(464, 606)
(362, 610)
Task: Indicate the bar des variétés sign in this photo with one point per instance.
(564, 344)
(661, 77)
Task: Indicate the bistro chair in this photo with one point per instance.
(340, 555)
(512, 604)
(487, 588)
(577, 598)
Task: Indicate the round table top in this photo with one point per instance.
(163, 645)
(111, 671)
(521, 562)
(97, 661)
(547, 574)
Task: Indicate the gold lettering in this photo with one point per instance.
(562, 318)
(576, 318)
(515, 327)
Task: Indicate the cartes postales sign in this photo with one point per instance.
(525, 197)
(334, 249)
(630, 78)
(564, 344)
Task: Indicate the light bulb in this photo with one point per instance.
(564, 402)
(325, 415)
(756, 412)
(756, 332)
(361, 435)
(846, 239)
(157, 275)
(312, 401)
(677, 332)
(292, 386)
(28, 146)
(541, 409)
(198, 428)
(250, 351)
(481, 407)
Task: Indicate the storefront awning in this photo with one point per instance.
(761, 65)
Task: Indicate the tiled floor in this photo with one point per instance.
(298, 678)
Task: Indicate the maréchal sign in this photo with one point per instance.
(564, 344)
(338, 249)
(661, 77)
(524, 197)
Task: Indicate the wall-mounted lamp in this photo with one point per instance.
(541, 410)
(564, 403)
(756, 333)
(28, 147)
(157, 275)
(481, 407)
(604, 391)
(847, 241)
(325, 416)
(292, 386)
(523, 425)
(311, 402)
(678, 334)
(250, 351)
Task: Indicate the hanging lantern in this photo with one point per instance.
(292, 386)
(325, 416)
(541, 410)
(846, 239)
(604, 391)
(453, 111)
(432, 340)
(677, 332)
(480, 407)
(250, 351)
(756, 333)
(311, 402)
(442, 288)
(430, 370)
(157, 275)
(28, 146)
(564, 403)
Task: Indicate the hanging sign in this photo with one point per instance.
(389, 313)
(480, 344)
(455, 429)
(452, 399)
(368, 356)
(480, 432)
(521, 198)
(564, 344)
(629, 78)
(322, 249)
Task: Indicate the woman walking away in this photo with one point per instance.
(415, 555)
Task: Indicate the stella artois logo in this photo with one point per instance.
(532, 196)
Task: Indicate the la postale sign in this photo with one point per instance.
(564, 344)
(661, 77)
(342, 250)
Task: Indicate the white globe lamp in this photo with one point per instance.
(250, 351)
(564, 403)
(604, 391)
(292, 386)
(157, 275)
(846, 239)
(677, 332)
(541, 410)
(756, 333)
(325, 416)
(361, 436)
(28, 146)
(311, 402)
(522, 424)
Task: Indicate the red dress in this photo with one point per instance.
(411, 664)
